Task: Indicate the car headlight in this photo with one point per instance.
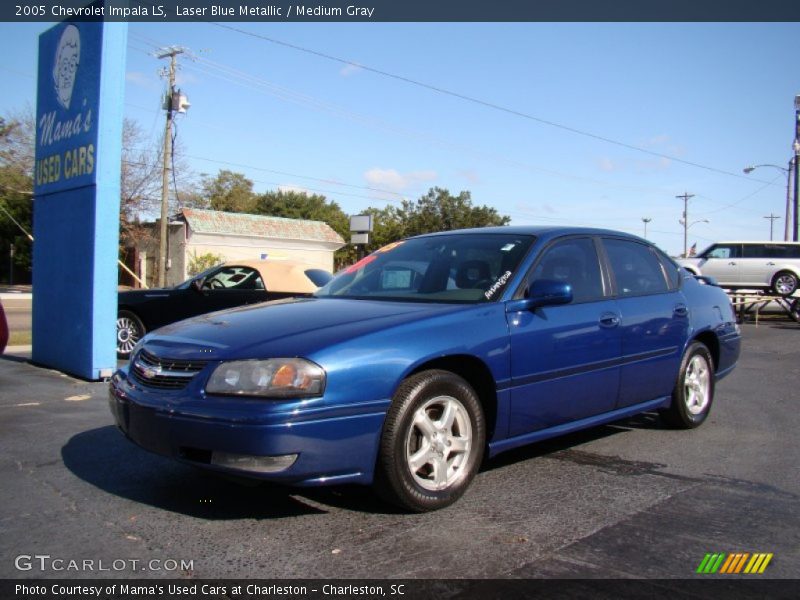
(272, 378)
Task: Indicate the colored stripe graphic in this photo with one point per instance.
(758, 563)
(730, 564)
(711, 562)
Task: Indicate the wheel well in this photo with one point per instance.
(477, 374)
(782, 271)
(135, 314)
(711, 342)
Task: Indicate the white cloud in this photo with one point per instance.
(142, 80)
(657, 140)
(394, 181)
(606, 164)
(184, 78)
(294, 188)
(471, 175)
(350, 69)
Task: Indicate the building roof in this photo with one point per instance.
(213, 221)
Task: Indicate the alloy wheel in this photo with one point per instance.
(439, 443)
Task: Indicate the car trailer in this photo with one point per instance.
(746, 303)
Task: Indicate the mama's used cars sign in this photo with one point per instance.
(76, 196)
(66, 124)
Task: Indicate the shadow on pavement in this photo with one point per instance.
(108, 461)
(569, 441)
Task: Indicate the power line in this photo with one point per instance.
(477, 101)
(259, 84)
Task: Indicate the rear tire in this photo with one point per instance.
(784, 283)
(432, 443)
(694, 390)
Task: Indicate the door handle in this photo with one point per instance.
(770, 264)
(731, 263)
(609, 320)
(680, 310)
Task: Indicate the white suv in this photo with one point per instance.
(754, 265)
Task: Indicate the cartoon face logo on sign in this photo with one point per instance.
(65, 65)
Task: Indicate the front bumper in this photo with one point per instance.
(333, 444)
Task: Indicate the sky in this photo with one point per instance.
(551, 124)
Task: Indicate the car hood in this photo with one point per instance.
(292, 327)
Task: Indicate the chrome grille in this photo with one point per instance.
(164, 373)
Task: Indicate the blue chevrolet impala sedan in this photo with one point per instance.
(411, 366)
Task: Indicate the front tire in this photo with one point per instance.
(130, 330)
(694, 390)
(432, 442)
(784, 283)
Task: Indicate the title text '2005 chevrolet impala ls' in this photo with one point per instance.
(410, 365)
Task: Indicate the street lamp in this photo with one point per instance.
(788, 172)
(646, 220)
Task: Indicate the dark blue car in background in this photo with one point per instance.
(411, 365)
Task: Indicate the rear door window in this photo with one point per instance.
(635, 268)
(755, 251)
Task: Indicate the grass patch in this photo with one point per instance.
(20, 338)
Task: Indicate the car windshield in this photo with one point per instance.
(188, 282)
(460, 268)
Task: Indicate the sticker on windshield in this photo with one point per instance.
(497, 285)
(362, 263)
(388, 247)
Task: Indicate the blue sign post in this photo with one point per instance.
(76, 196)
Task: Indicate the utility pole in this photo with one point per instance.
(771, 218)
(796, 148)
(787, 223)
(646, 220)
(172, 53)
(685, 221)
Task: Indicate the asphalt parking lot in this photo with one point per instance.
(631, 499)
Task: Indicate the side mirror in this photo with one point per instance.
(197, 284)
(543, 292)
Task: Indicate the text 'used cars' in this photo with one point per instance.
(411, 365)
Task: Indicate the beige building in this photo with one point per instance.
(235, 236)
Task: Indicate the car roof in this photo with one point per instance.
(541, 231)
(281, 275)
(769, 243)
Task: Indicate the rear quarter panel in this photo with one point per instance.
(712, 313)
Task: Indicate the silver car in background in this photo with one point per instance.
(773, 266)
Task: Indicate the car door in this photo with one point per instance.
(654, 319)
(757, 265)
(721, 262)
(564, 359)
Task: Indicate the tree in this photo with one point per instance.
(16, 190)
(141, 182)
(438, 210)
(228, 191)
(198, 264)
